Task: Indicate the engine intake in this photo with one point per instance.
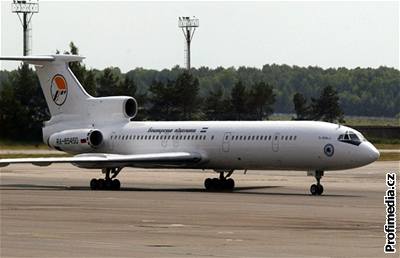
(130, 107)
(95, 138)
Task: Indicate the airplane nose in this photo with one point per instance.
(373, 153)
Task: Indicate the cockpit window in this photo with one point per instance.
(350, 137)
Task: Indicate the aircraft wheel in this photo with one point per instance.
(320, 189)
(108, 185)
(314, 189)
(101, 184)
(208, 184)
(116, 184)
(94, 184)
(215, 184)
(229, 184)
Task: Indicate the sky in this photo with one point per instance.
(146, 34)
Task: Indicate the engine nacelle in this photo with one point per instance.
(76, 140)
(112, 108)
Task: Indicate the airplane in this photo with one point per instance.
(102, 134)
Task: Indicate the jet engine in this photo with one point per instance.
(109, 109)
(76, 140)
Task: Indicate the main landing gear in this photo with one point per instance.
(108, 183)
(317, 189)
(223, 183)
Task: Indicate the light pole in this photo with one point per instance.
(188, 26)
(25, 10)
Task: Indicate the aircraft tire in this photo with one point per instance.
(94, 184)
(116, 184)
(108, 185)
(101, 184)
(314, 189)
(229, 184)
(215, 184)
(208, 184)
(320, 189)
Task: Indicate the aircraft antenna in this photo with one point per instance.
(25, 10)
(188, 26)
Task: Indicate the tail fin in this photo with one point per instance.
(63, 92)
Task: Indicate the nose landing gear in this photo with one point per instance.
(316, 189)
(109, 183)
(223, 183)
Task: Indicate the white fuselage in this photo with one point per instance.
(295, 145)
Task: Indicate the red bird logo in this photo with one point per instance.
(59, 89)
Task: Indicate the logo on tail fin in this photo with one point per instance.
(59, 89)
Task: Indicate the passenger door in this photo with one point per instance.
(226, 142)
(275, 142)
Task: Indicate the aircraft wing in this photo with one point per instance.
(102, 160)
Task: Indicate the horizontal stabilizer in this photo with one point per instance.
(43, 59)
(27, 58)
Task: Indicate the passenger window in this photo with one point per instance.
(286, 137)
(212, 137)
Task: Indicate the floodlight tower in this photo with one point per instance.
(188, 26)
(25, 10)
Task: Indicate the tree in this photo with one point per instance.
(22, 107)
(326, 107)
(238, 101)
(90, 83)
(126, 87)
(301, 107)
(215, 105)
(186, 95)
(108, 83)
(162, 99)
(261, 99)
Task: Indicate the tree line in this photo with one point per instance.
(209, 94)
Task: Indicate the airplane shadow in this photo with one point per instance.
(238, 190)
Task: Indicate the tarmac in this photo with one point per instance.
(51, 212)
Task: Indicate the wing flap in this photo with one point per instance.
(100, 160)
